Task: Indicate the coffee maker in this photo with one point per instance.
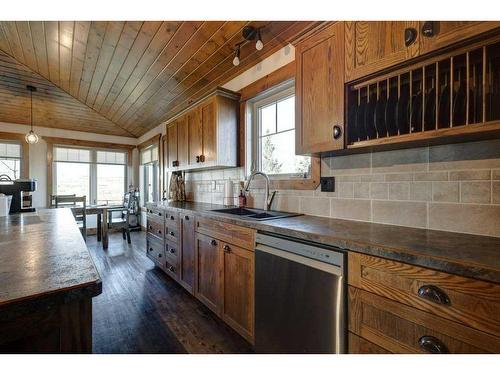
(16, 188)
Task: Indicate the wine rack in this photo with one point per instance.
(449, 94)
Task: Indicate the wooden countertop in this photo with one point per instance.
(43, 256)
(461, 254)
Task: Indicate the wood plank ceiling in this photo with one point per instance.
(123, 78)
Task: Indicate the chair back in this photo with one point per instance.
(54, 199)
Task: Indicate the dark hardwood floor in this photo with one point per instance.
(141, 310)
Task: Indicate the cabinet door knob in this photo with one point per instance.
(159, 213)
(429, 29)
(171, 233)
(159, 231)
(159, 255)
(410, 36)
(173, 163)
(432, 345)
(172, 217)
(227, 249)
(172, 250)
(150, 227)
(202, 158)
(213, 243)
(197, 158)
(337, 132)
(150, 249)
(434, 294)
(186, 217)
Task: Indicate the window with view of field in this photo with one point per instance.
(10, 160)
(99, 175)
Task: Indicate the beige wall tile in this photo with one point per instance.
(430, 176)
(347, 178)
(286, 203)
(406, 160)
(362, 190)
(484, 174)
(466, 218)
(354, 209)
(379, 190)
(413, 214)
(421, 191)
(445, 191)
(391, 177)
(345, 189)
(495, 174)
(399, 191)
(475, 192)
(495, 194)
(373, 177)
(315, 206)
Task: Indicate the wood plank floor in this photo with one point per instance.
(141, 310)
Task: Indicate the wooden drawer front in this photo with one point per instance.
(471, 302)
(172, 251)
(155, 228)
(172, 234)
(154, 250)
(172, 219)
(155, 214)
(402, 329)
(234, 234)
(358, 345)
(171, 269)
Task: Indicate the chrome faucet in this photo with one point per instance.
(269, 197)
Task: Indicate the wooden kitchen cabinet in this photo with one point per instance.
(449, 32)
(208, 262)
(319, 91)
(238, 289)
(187, 261)
(371, 46)
(206, 135)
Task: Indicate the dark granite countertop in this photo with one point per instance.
(43, 256)
(457, 253)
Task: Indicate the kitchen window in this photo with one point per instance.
(150, 174)
(100, 175)
(10, 159)
(272, 137)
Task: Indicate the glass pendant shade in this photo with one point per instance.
(31, 137)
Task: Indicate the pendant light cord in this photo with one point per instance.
(31, 112)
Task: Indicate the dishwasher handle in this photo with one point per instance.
(322, 266)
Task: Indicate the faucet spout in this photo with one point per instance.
(268, 199)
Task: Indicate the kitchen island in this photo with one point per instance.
(47, 282)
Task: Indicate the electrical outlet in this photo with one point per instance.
(327, 184)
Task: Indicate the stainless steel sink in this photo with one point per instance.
(255, 214)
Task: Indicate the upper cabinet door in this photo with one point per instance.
(171, 149)
(182, 142)
(319, 91)
(374, 45)
(209, 136)
(195, 137)
(445, 33)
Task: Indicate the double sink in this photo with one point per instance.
(255, 214)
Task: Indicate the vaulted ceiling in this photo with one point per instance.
(123, 78)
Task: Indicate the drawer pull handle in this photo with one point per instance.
(213, 243)
(227, 249)
(432, 345)
(434, 294)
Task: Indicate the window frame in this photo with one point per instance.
(93, 194)
(268, 87)
(21, 155)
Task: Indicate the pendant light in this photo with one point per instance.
(259, 45)
(31, 137)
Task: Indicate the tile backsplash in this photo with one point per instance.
(450, 187)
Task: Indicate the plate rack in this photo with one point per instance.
(450, 94)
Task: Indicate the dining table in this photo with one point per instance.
(102, 211)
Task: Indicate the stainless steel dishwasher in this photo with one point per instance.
(299, 296)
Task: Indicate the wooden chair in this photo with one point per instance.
(78, 207)
(53, 199)
(120, 222)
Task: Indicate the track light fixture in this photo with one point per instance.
(249, 33)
